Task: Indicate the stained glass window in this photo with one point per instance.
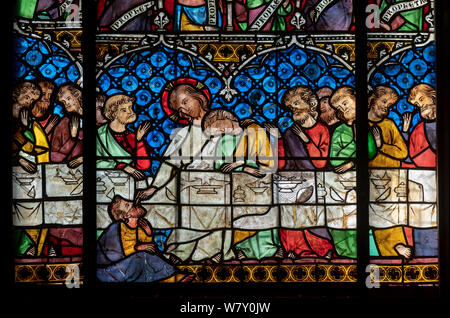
(403, 213)
(230, 142)
(273, 184)
(47, 142)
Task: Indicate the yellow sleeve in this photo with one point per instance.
(393, 143)
(143, 237)
(41, 143)
(254, 147)
(128, 238)
(264, 151)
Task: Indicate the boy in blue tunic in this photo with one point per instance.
(126, 251)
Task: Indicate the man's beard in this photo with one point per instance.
(127, 120)
(329, 117)
(430, 115)
(301, 118)
(380, 113)
(40, 109)
(343, 116)
(186, 116)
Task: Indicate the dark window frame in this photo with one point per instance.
(277, 292)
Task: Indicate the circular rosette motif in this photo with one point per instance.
(418, 67)
(48, 71)
(270, 111)
(73, 74)
(270, 84)
(405, 80)
(20, 45)
(214, 84)
(408, 57)
(429, 54)
(378, 79)
(34, 57)
(43, 47)
(156, 84)
(281, 93)
(117, 71)
(168, 126)
(312, 71)
(327, 81)
(243, 110)
(285, 70)
(183, 60)
(104, 82)
(129, 83)
(143, 70)
(392, 69)
(243, 83)
(339, 72)
(298, 57)
(19, 69)
(257, 72)
(430, 79)
(171, 72)
(256, 97)
(143, 97)
(198, 74)
(59, 61)
(158, 59)
(271, 60)
(298, 81)
(403, 106)
(155, 139)
(155, 111)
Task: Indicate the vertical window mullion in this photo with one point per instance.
(362, 160)
(89, 119)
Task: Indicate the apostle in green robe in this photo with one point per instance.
(117, 146)
(262, 15)
(342, 156)
(402, 15)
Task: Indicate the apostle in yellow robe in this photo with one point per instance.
(391, 150)
(253, 154)
(30, 145)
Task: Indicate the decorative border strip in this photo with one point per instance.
(417, 273)
(265, 273)
(43, 273)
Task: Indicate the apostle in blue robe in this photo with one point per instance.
(126, 251)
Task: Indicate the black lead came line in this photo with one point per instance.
(362, 150)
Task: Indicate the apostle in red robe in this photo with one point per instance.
(67, 136)
(422, 140)
(306, 145)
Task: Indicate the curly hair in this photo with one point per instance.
(215, 115)
(22, 88)
(380, 91)
(341, 93)
(426, 89)
(45, 83)
(73, 89)
(113, 103)
(305, 94)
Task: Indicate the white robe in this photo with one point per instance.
(200, 232)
